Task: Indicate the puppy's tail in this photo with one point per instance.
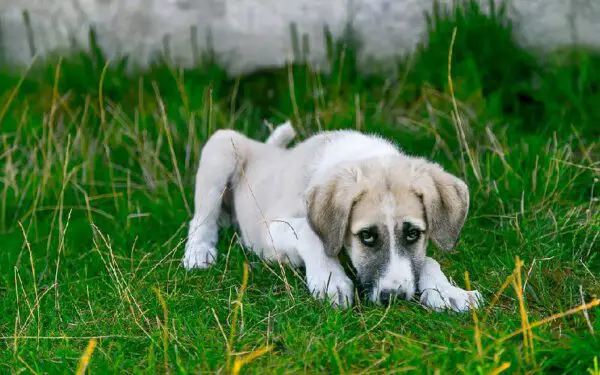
(282, 135)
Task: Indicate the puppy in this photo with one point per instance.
(335, 190)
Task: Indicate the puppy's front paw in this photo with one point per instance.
(466, 300)
(198, 255)
(336, 287)
(453, 298)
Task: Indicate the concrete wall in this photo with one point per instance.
(249, 34)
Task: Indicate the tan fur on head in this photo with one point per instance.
(329, 207)
(446, 200)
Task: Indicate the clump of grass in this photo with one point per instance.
(488, 62)
(97, 178)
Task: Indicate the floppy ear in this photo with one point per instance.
(446, 200)
(329, 206)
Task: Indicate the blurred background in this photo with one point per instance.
(246, 35)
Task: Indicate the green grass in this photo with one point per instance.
(97, 173)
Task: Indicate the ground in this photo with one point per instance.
(97, 189)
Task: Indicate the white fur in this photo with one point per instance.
(437, 293)
(398, 275)
(345, 146)
(324, 275)
(269, 195)
(282, 135)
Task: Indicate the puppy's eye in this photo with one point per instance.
(368, 237)
(413, 235)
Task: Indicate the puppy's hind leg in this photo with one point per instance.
(222, 157)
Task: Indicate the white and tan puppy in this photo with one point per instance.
(335, 190)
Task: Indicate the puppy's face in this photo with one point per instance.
(383, 211)
(386, 240)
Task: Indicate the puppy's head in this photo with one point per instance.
(384, 211)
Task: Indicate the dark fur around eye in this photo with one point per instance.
(369, 236)
(411, 234)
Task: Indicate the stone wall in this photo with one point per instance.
(250, 34)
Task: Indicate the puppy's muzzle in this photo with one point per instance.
(387, 296)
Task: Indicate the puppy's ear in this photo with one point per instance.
(329, 207)
(446, 200)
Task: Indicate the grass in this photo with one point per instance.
(96, 191)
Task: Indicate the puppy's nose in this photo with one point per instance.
(387, 296)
